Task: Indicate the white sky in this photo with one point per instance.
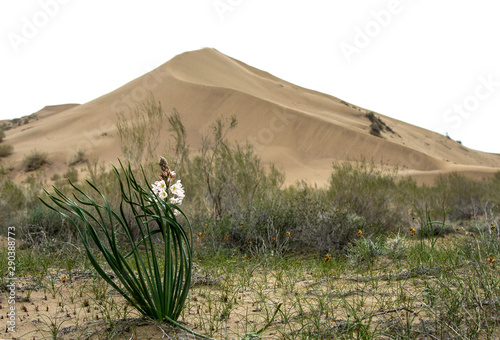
(435, 64)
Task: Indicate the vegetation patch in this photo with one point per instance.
(6, 150)
(377, 125)
(446, 291)
(34, 161)
(78, 158)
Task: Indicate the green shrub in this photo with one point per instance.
(71, 175)
(464, 198)
(367, 249)
(369, 192)
(12, 194)
(6, 150)
(34, 161)
(12, 200)
(45, 226)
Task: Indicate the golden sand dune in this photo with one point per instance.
(299, 129)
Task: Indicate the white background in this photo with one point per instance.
(417, 61)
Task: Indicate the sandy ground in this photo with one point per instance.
(79, 306)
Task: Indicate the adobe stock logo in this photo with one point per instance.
(224, 6)
(364, 35)
(30, 26)
(485, 88)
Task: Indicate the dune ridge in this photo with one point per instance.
(301, 130)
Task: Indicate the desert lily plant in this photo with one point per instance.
(152, 266)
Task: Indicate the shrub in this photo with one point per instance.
(6, 150)
(2, 134)
(140, 131)
(12, 200)
(377, 125)
(45, 226)
(34, 161)
(375, 130)
(367, 191)
(71, 174)
(78, 158)
(463, 198)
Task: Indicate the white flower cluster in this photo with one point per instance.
(176, 190)
(163, 189)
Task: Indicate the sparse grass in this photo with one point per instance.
(6, 150)
(78, 158)
(449, 290)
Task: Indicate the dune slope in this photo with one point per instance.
(303, 131)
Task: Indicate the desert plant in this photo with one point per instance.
(2, 134)
(78, 158)
(375, 130)
(12, 200)
(369, 192)
(232, 176)
(34, 161)
(377, 125)
(139, 131)
(180, 149)
(43, 226)
(155, 276)
(214, 176)
(6, 150)
(71, 174)
(463, 198)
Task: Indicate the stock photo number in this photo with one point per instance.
(11, 279)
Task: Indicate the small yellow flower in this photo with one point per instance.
(491, 260)
(412, 231)
(226, 237)
(327, 257)
(360, 233)
(242, 224)
(287, 234)
(250, 241)
(492, 226)
(200, 234)
(274, 239)
(63, 279)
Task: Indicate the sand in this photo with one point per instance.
(300, 130)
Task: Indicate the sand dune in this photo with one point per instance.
(299, 129)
